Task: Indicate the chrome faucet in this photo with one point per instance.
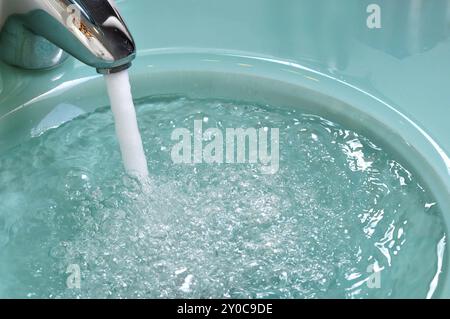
(39, 34)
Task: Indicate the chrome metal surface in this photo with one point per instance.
(35, 34)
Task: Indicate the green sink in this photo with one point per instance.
(389, 83)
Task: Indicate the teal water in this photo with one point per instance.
(338, 209)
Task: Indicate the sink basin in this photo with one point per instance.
(387, 83)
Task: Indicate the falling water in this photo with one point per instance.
(127, 130)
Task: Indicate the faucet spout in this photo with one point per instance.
(90, 30)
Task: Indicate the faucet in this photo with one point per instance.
(40, 34)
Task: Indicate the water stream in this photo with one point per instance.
(127, 130)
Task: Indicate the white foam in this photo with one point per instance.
(127, 130)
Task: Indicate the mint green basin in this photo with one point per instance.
(390, 83)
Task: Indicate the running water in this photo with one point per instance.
(127, 130)
(340, 211)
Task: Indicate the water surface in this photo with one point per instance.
(339, 209)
